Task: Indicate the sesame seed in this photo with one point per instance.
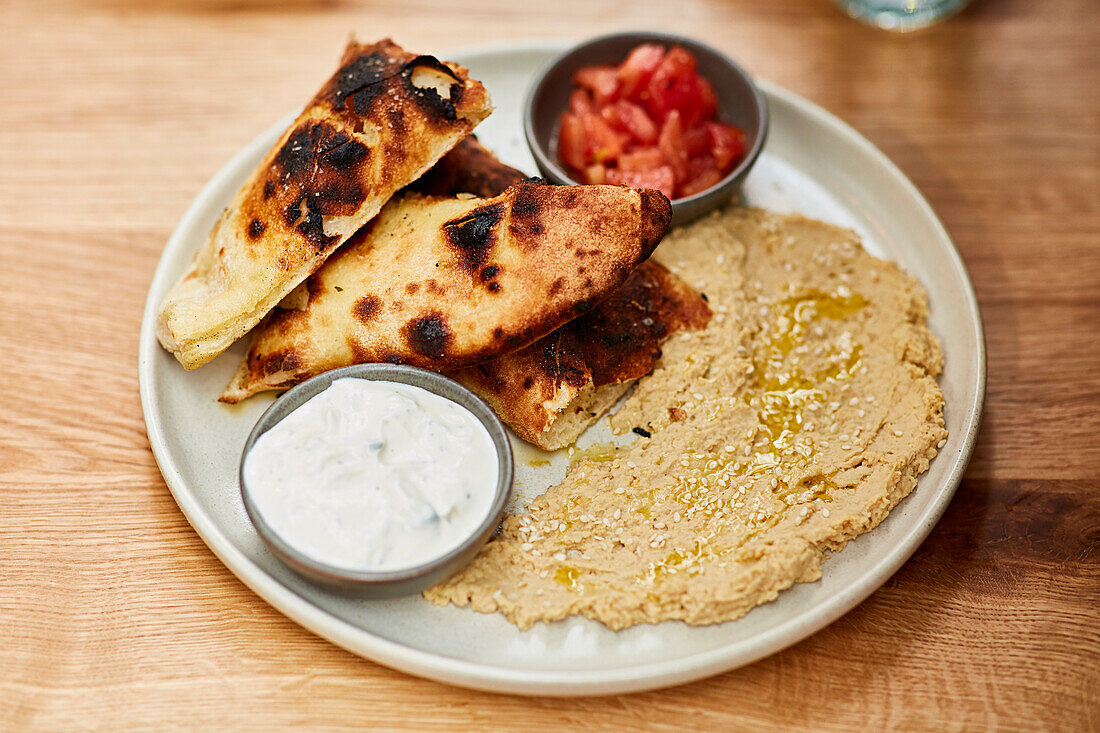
(942, 443)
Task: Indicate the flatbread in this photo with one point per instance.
(447, 283)
(469, 168)
(383, 119)
(550, 391)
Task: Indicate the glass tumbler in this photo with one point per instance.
(901, 15)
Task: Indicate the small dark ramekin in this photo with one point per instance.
(390, 583)
(740, 103)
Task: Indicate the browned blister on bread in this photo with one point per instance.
(380, 122)
(448, 283)
(550, 391)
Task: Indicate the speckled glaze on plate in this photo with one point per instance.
(813, 164)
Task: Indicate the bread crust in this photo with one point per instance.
(448, 283)
(550, 391)
(383, 119)
(469, 168)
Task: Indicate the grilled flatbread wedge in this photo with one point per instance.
(550, 391)
(469, 168)
(383, 119)
(448, 283)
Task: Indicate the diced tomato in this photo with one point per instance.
(634, 120)
(697, 141)
(572, 141)
(641, 159)
(708, 98)
(595, 175)
(612, 119)
(660, 178)
(635, 71)
(650, 122)
(602, 81)
(671, 144)
(678, 61)
(674, 86)
(580, 102)
(701, 182)
(602, 143)
(625, 138)
(698, 164)
(727, 144)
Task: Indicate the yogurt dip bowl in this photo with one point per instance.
(388, 581)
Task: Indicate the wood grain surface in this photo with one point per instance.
(114, 614)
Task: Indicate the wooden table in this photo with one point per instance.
(112, 610)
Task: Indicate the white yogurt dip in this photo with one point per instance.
(374, 475)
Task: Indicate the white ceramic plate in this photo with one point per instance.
(813, 164)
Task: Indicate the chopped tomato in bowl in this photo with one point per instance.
(648, 110)
(650, 121)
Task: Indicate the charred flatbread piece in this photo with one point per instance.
(448, 283)
(469, 168)
(382, 120)
(550, 391)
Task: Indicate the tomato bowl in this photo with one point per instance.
(735, 104)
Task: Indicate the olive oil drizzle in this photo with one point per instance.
(780, 396)
(712, 483)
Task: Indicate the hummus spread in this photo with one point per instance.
(793, 423)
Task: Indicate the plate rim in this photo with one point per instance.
(546, 682)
